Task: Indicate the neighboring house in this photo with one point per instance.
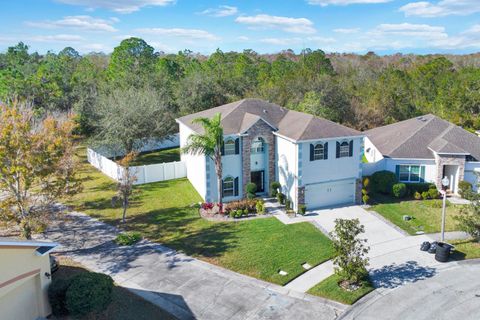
(316, 161)
(24, 279)
(425, 149)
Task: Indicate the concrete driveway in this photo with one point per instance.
(184, 286)
(395, 257)
(452, 294)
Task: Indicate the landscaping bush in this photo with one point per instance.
(302, 209)
(249, 205)
(128, 238)
(366, 183)
(418, 187)
(383, 181)
(365, 199)
(288, 205)
(260, 207)
(433, 193)
(417, 195)
(56, 295)
(425, 195)
(281, 198)
(232, 214)
(464, 189)
(399, 190)
(251, 188)
(89, 292)
(274, 187)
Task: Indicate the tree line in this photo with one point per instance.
(141, 90)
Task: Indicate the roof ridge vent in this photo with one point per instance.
(422, 118)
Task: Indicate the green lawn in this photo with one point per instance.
(330, 289)
(161, 156)
(466, 249)
(427, 215)
(163, 212)
(125, 304)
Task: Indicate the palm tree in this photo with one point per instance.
(210, 144)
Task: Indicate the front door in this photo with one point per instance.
(257, 177)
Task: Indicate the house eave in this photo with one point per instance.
(319, 139)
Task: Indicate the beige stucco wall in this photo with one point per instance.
(20, 271)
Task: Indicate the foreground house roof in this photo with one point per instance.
(422, 136)
(239, 116)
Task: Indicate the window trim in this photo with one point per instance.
(346, 144)
(232, 181)
(409, 172)
(255, 150)
(229, 143)
(319, 156)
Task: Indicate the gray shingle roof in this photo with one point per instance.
(418, 137)
(238, 116)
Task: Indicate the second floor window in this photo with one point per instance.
(318, 152)
(344, 149)
(229, 147)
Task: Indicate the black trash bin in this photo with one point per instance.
(443, 252)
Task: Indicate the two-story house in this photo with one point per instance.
(316, 161)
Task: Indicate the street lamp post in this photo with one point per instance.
(445, 184)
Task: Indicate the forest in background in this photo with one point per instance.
(360, 91)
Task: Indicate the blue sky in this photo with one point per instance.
(383, 26)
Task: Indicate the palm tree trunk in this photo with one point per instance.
(218, 171)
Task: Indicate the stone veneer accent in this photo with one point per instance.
(443, 160)
(358, 191)
(301, 195)
(263, 130)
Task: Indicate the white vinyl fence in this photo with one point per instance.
(145, 174)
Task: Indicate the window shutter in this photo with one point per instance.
(235, 186)
(351, 148)
(221, 191)
(422, 173)
(338, 149)
(237, 146)
(222, 149)
(311, 152)
(397, 171)
(325, 151)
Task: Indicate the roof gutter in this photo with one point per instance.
(319, 139)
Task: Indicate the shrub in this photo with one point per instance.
(232, 213)
(128, 238)
(433, 193)
(288, 205)
(364, 191)
(425, 195)
(245, 204)
(89, 292)
(399, 190)
(383, 181)
(251, 188)
(274, 187)
(366, 183)
(365, 199)
(56, 295)
(418, 187)
(417, 195)
(207, 206)
(464, 188)
(281, 198)
(302, 209)
(260, 207)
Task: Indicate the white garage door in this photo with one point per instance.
(21, 303)
(330, 194)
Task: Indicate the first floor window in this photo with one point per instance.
(228, 187)
(409, 173)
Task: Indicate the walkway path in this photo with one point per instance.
(395, 257)
(186, 287)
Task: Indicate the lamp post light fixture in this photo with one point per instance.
(445, 184)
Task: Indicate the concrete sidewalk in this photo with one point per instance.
(186, 287)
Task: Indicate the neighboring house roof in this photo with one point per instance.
(418, 137)
(239, 116)
(42, 248)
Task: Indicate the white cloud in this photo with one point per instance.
(264, 21)
(120, 6)
(195, 34)
(325, 3)
(307, 41)
(221, 11)
(422, 31)
(441, 8)
(57, 38)
(77, 22)
(346, 30)
(243, 38)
